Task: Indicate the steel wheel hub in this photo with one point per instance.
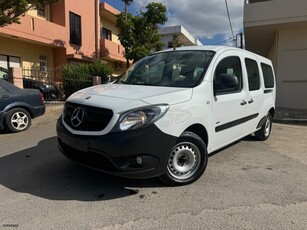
(184, 160)
(267, 127)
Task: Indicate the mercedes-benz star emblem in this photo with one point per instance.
(77, 117)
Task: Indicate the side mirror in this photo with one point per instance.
(224, 83)
(229, 81)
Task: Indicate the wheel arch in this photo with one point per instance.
(200, 130)
(272, 111)
(20, 106)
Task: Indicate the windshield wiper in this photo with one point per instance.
(120, 82)
(142, 83)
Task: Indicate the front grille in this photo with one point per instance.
(90, 159)
(95, 119)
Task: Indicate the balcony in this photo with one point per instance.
(111, 50)
(34, 29)
(262, 20)
(260, 13)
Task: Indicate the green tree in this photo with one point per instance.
(12, 10)
(139, 34)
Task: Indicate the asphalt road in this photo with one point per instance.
(248, 185)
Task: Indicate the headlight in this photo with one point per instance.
(140, 118)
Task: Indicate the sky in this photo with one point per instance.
(205, 19)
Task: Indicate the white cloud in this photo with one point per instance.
(202, 18)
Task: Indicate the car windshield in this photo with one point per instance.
(170, 69)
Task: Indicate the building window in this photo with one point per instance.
(75, 28)
(106, 34)
(42, 63)
(5, 63)
(41, 11)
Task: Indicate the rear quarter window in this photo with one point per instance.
(252, 74)
(268, 75)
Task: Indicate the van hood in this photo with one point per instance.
(123, 97)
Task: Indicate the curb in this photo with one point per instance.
(50, 107)
(291, 121)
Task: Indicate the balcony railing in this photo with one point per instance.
(112, 50)
(38, 30)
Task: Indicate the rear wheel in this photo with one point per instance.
(17, 120)
(187, 161)
(265, 131)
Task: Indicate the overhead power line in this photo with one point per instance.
(224, 41)
(230, 22)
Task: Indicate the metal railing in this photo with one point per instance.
(52, 85)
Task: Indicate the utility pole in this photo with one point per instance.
(239, 40)
(127, 3)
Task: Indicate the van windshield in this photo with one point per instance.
(169, 69)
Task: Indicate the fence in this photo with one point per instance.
(49, 82)
(43, 80)
(52, 85)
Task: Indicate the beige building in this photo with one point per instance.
(110, 48)
(168, 34)
(277, 29)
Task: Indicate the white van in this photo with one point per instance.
(166, 113)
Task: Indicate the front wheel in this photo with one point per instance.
(265, 131)
(187, 161)
(17, 120)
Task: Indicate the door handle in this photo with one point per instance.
(5, 96)
(243, 102)
(250, 101)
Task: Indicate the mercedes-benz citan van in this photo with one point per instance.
(168, 111)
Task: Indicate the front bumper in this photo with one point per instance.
(116, 152)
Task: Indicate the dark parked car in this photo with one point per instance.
(19, 106)
(49, 91)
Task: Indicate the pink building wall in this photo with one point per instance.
(86, 9)
(56, 32)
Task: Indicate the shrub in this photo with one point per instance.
(97, 68)
(76, 77)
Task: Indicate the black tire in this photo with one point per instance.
(265, 131)
(17, 120)
(192, 158)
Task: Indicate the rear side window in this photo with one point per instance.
(230, 66)
(252, 74)
(268, 76)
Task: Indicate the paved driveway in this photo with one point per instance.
(250, 184)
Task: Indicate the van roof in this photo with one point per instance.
(204, 47)
(217, 49)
